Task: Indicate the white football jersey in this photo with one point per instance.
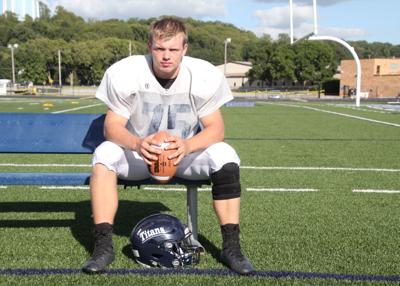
(130, 89)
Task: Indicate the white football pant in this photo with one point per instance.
(129, 165)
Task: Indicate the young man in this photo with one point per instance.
(165, 91)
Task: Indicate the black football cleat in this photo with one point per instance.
(98, 262)
(231, 255)
(235, 260)
(103, 254)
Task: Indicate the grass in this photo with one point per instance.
(303, 236)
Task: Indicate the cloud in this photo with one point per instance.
(278, 17)
(125, 9)
(344, 33)
(306, 2)
(276, 21)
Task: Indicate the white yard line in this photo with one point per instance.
(44, 165)
(279, 190)
(353, 116)
(377, 191)
(174, 189)
(241, 167)
(207, 189)
(64, 187)
(336, 113)
(77, 108)
(320, 169)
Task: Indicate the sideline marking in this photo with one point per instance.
(336, 113)
(279, 190)
(76, 108)
(352, 116)
(377, 191)
(197, 271)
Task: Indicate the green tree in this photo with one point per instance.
(8, 23)
(66, 25)
(314, 61)
(281, 64)
(259, 54)
(38, 59)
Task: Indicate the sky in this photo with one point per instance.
(369, 20)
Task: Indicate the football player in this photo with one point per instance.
(165, 90)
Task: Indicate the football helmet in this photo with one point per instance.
(161, 240)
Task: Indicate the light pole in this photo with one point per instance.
(227, 41)
(12, 47)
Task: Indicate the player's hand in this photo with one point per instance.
(181, 146)
(145, 148)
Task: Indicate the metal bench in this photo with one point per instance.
(35, 133)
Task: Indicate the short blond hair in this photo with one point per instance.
(166, 28)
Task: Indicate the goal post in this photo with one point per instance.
(315, 37)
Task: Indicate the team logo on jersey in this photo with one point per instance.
(147, 234)
(147, 86)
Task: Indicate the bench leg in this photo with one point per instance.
(191, 193)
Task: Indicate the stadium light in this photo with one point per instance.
(12, 47)
(227, 41)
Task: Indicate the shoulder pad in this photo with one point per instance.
(206, 78)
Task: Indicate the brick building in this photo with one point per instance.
(379, 77)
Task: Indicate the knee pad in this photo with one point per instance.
(226, 182)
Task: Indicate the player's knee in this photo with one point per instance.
(220, 154)
(226, 182)
(108, 154)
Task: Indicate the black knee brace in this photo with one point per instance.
(226, 182)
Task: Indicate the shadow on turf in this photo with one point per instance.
(129, 213)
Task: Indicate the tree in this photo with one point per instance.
(282, 62)
(38, 59)
(66, 25)
(8, 22)
(314, 61)
(259, 53)
(89, 47)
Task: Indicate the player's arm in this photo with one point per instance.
(115, 131)
(212, 132)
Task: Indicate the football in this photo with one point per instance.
(163, 169)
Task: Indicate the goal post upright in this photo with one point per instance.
(355, 56)
(315, 17)
(315, 37)
(291, 20)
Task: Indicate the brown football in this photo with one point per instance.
(163, 169)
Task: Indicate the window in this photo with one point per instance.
(378, 69)
(394, 68)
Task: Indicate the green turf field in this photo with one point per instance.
(320, 202)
